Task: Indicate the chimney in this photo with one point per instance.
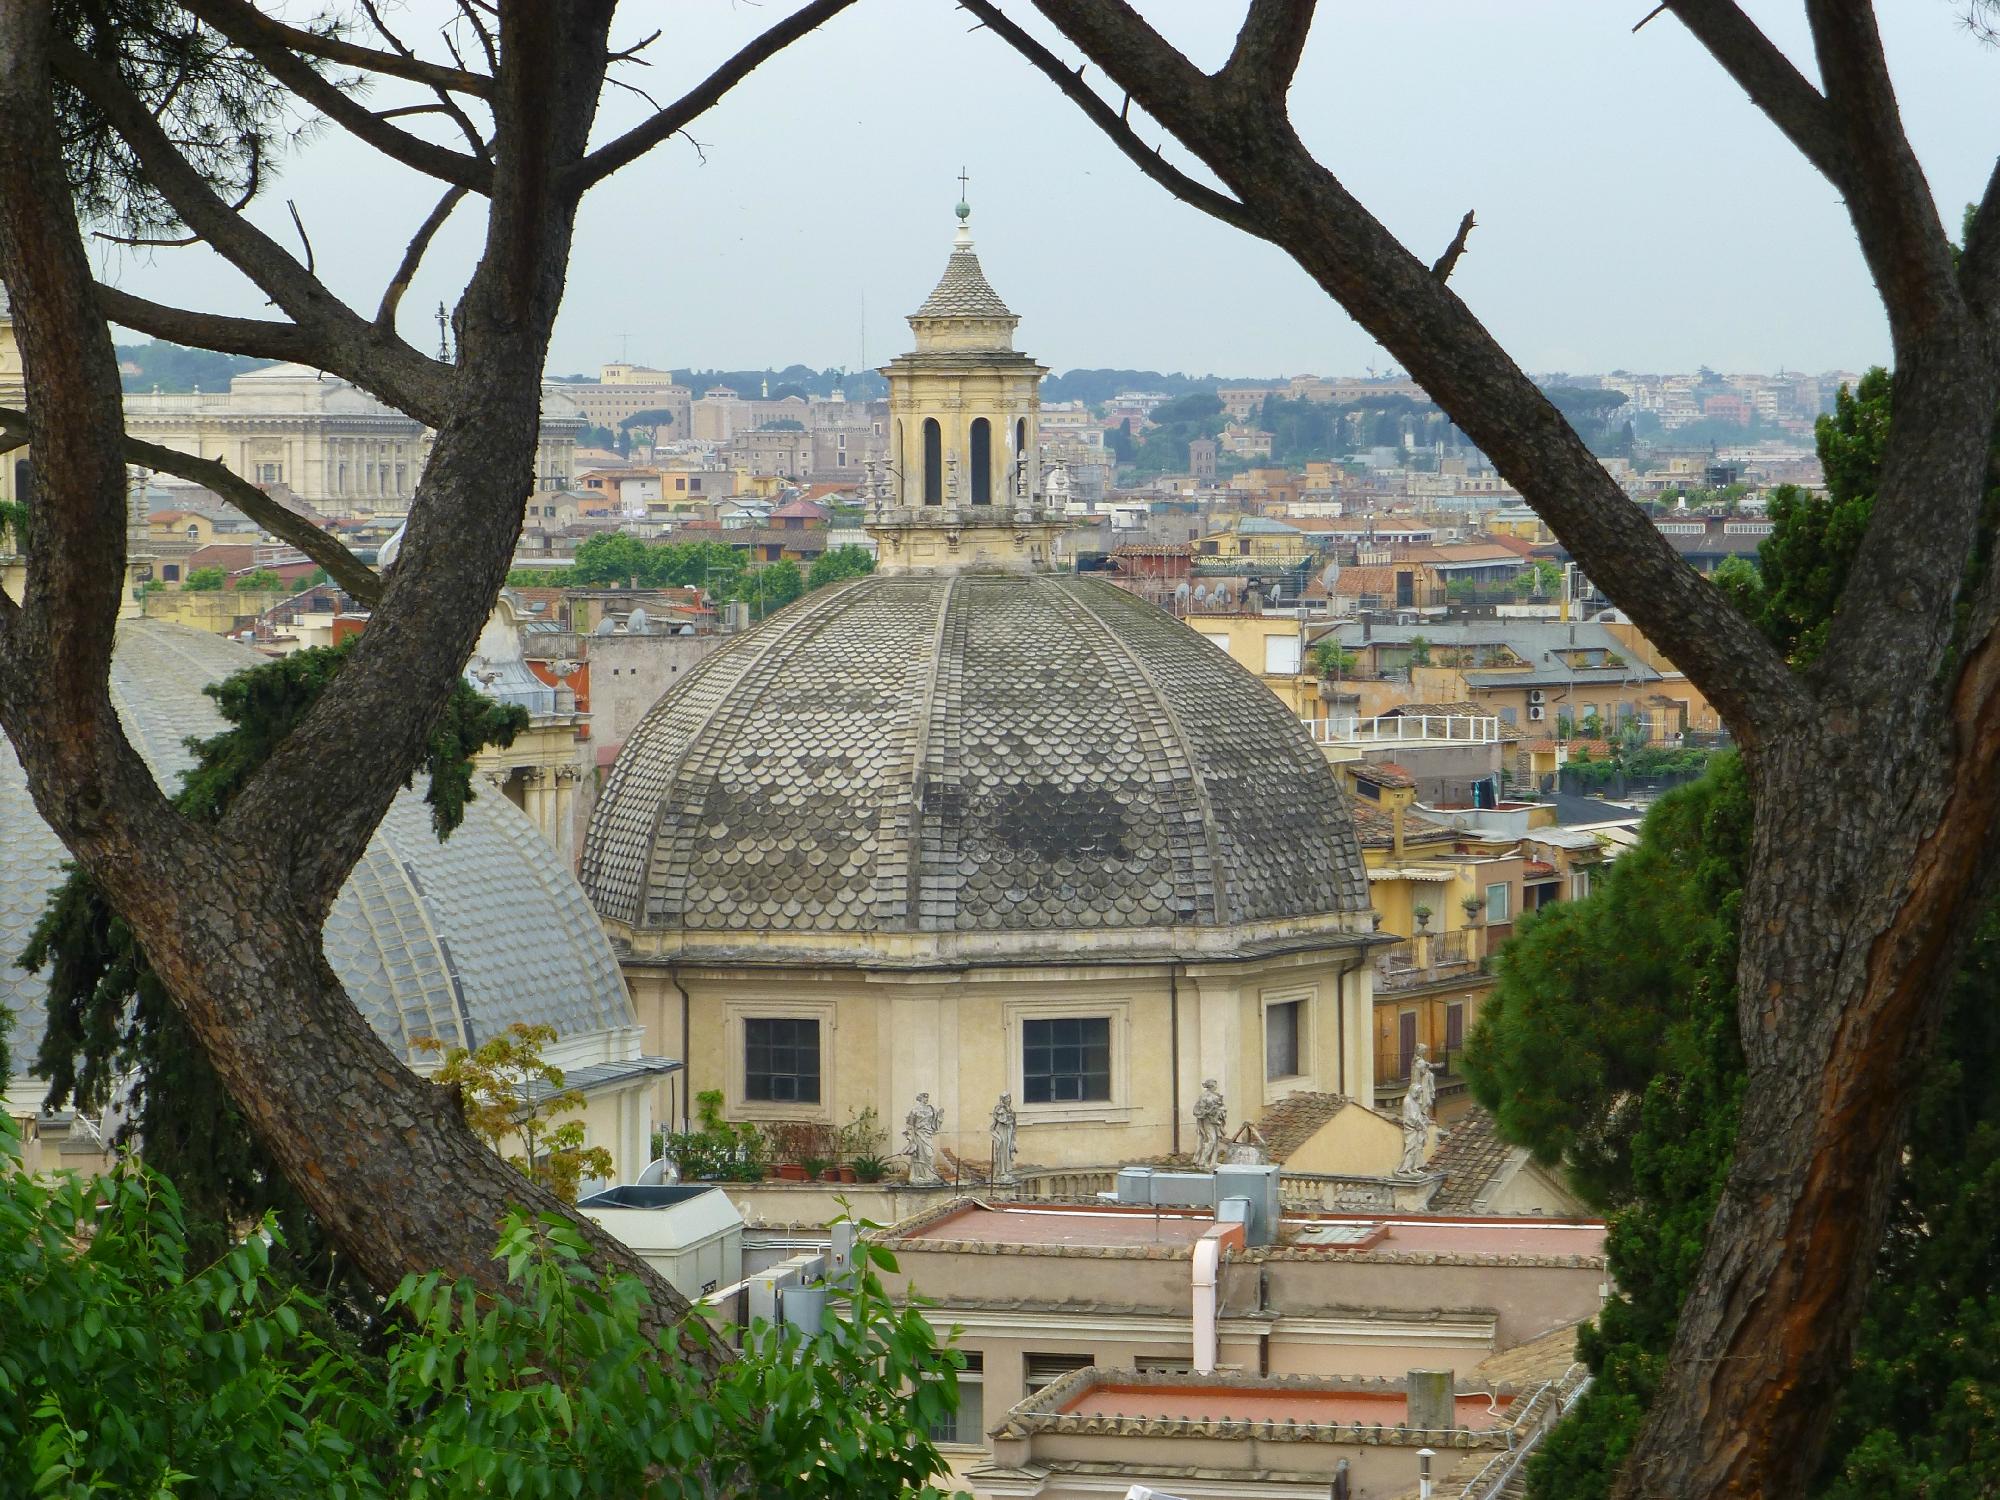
(1431, 1404)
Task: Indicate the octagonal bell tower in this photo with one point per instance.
(964, 484)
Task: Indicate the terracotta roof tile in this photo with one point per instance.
(1295, 1119)
(1470, 1158)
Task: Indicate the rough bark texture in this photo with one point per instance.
(1876, 805)
(230, 915)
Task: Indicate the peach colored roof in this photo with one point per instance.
(1356, 581)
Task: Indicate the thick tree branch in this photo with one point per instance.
(347, 570)
(392, 295)
(677, 116)
(1265, 58)
(1396, 298)
(255, 337)
(344, 342)
(244, 25)
(1770, 80)
(1113, 123)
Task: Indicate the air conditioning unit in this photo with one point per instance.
(1536, 711)
(1534, 695)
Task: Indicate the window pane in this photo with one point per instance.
(1281, 1040)
(1496, 903)
(781, 1060)
(1066, 1060)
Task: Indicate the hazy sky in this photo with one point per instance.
(1634, 211)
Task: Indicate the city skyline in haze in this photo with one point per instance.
(1634, 211)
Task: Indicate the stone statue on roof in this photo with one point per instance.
(1003, 1141)
(1417, 1103)
(920, 1128)
(1211, 1120)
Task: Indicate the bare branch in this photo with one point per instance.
(631, 53)
(1147, 158)
(336, 338)
(322, 547)
(248, 27)
(669, 122)
(304, 239)
(479, 29)
(1268, 45)
(446, 104)
(392, 295)
(401, 64)
(1449, 260)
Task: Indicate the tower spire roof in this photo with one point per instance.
(963, 291)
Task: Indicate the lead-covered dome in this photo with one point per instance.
(455, 940)
(969, 765)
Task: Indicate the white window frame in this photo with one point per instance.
(735, 1058)
(1305, 996)
(1119, 1108)
(1506, 912)
(1278, 651)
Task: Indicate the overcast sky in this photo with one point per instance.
(1634, 211)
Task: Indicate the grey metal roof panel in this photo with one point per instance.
(454, 940)
(973, 753)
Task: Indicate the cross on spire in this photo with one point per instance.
(961, 182)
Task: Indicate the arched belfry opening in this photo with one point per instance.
(982, 461)
(933, 462)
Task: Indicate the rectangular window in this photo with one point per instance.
(270, 473)
(695, 485)
(1496, 903)
(1042, 1370)
(1066, 1060)
(1217, 639)
(1281, 1039)
(1281, 655)
(1454, 1027)
(967, 1425)
(781, 1060)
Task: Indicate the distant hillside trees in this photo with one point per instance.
(171, 367)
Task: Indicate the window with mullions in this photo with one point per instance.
(781, 1061)
(1066, 1060)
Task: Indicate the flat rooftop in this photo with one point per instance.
(1025, 1225)
(1080, 1226)
(1309, 1408)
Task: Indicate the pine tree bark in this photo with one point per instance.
(1876, 805)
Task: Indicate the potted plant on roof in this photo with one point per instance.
(1423, 915)
(1473, 907)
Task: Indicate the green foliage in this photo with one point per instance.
(13, 526)
(511, 1093)
(612, 558)
(770, 588)
(1541, 577)
(719, 1151)
(108, 1014)
(540, 578)
(839, 563)
(129, 1366)
(204, 580)
(1815, 538)
(266, 579)
(1163, 447)
(1420, 652)
(1331, 659)
(1595, 998)
(1597, 416)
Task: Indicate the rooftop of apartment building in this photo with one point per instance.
(982, 1228)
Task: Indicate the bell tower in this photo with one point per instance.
(963, 488)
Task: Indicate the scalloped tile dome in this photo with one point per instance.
(454, 940)
(968, 754)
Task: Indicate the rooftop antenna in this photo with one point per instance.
(624, 348)
(444, 323)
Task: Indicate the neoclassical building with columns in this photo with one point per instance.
(973, 825)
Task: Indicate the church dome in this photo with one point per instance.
(936, 766)
(455, 940)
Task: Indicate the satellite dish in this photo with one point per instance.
(660, 1172)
